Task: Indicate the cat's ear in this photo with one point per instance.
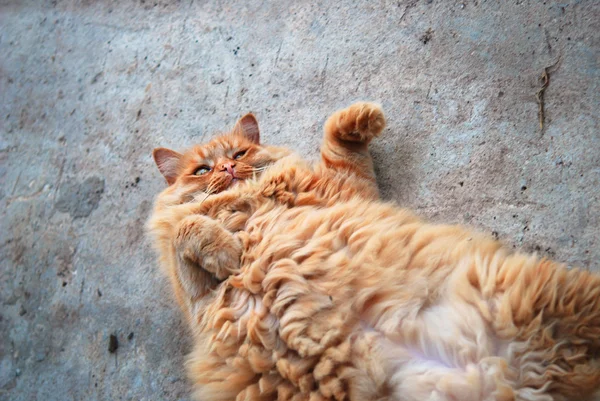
(167, 161)
(248, 127)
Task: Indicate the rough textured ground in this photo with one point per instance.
(89, 88)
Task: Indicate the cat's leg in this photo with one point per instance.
(206, 253)
(348, 133)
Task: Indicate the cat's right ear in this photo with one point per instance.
(248, 127)
(167, 161)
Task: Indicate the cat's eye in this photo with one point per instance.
(202, 170)
(239, 155)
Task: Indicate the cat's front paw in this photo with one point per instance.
(206, 243)
(360, 122)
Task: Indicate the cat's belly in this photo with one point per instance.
(371, 279)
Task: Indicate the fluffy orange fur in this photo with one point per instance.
(299, 284)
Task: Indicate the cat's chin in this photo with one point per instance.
(233, 182)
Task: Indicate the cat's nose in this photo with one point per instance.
(228, 167)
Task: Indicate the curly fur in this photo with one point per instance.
(299, 284)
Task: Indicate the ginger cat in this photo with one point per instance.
(299, 284)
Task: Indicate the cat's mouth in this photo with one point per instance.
(237, 178)
(227, 182)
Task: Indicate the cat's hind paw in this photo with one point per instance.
(361, 122)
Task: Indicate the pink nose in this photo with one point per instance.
(228, 167)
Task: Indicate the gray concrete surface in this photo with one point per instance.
(89, 88)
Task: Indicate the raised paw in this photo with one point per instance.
(360, 122)
(207, 244)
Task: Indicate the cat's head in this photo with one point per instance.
(217, 165)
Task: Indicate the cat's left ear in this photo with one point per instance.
(248, 127)
(167, 161)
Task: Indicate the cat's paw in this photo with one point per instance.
(360, 122)
(205, 242)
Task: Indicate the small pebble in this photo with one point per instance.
(113, 344)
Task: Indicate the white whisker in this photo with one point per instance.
(203, 199)
(209, 191)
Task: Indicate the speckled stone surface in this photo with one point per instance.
(89, 88)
